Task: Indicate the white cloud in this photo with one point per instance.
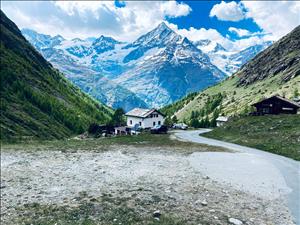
(194, 35)
(93, 18)
(239, 32)
(175, 9)
(230, 11)
(275, 17)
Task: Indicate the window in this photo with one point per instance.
(158, 122)
(266, 110)
(140, 123)
(130, 122)
(153, 123)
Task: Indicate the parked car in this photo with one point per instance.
(181, 126)
(159, 129)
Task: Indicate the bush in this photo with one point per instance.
(94, 129)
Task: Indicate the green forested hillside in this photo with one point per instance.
(276, 70)
(36, 100)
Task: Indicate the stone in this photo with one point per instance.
(204, 203)
(156, 214)
(235, 221)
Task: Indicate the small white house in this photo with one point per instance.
(144, 118)
(221, 120)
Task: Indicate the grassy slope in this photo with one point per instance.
(104, 144)
(274, 71)
(36, 100)
(278, 134)
(238, 99)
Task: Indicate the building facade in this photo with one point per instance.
(276, 105)
(144, 118)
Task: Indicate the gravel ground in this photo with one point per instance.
(150, 178)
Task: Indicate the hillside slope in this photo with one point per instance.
(276, 70)
(275, 133)
(36, 100)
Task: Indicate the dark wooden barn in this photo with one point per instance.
(276, 105)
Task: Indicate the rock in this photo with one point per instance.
(156, 214)
(235, 221)
(204, 203)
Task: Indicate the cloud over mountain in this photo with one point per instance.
(91, 18)
(230, 11)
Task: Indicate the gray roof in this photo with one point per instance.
(222, 119)
(288, 100)
(142, 113)
(281, 98)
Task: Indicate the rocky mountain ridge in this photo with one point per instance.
(141, 73)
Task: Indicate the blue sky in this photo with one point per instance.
(234, 24)
(199, 17)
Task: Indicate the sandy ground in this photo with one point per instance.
(159, 178)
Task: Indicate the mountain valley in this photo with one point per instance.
(141, 73)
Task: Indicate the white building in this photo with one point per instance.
(221, 120)
(144, 118)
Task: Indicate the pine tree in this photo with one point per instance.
(174, 119)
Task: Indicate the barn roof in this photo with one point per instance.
(142, 113)
(222, 119)
(295, 104)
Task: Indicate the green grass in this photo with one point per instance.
(279, 134)
(110, 143)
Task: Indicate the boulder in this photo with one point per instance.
(235, 221)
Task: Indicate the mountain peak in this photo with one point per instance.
(163, 25)
(159, 36)
(106, 39)
(59, 37)
(77, 40)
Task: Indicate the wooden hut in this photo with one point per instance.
(276, 105)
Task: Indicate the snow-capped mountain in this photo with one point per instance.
(63, 56)
(41, 41)
(229, 62)
(174, 68)
(154, 70)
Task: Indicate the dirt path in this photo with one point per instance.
(255, 171)
(149, 178)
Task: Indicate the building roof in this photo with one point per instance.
(222, 118)
(142, 113)
(280, 98)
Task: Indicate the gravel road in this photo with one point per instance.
(258, 172)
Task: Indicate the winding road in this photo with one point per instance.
(249, 169)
